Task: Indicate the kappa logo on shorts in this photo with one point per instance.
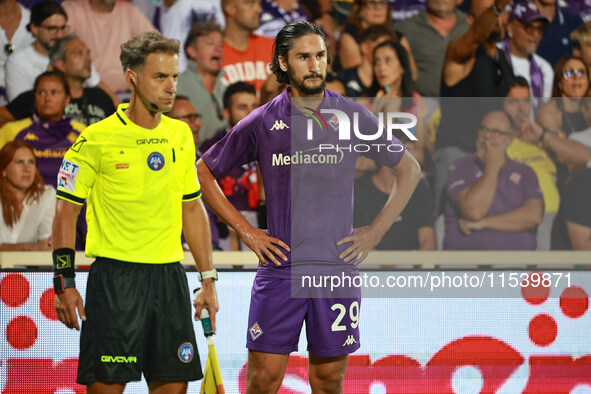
(350, 341)
(255, 331)
(186, 352)
(155, 161)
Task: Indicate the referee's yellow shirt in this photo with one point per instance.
(136, 180)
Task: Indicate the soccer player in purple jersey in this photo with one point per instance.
(325, 234)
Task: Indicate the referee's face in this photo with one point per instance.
(157, 79)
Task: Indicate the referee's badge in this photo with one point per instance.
(186, 352)
(155, 161)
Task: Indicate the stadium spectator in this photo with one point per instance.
(48, 131)
(359, 81)
(203, 80)
(396, 90)
(364, 14)
(28, 205)
(561, 118)
(493, 202)
(406, 9)
(278, 13)
(184, 110)
(556, 40)
(519, 108)
(525, 30)
(239, 185)
(413, 228)
(87, 105)
(246, 55)
(13, 36)
(48, 24)
(572, 228)
(174, 18)
(428, 34)
(581, 41)
(104, 25)
(473, 67)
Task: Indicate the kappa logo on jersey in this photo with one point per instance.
(66, 177)
(279, 125)
(255, 331)
(155, 161)
(350, 341)
(31, 137)
(186, 352)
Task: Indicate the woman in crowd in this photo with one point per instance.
(28, 205)
(397, 93)
(48, 131)
(364, 14)
(564, 115)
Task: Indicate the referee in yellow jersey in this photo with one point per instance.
(137, 170)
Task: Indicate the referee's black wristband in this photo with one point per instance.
(63, 262)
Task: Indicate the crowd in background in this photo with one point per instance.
(498, 88)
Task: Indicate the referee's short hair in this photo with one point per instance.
(284, 42)
(135, 51)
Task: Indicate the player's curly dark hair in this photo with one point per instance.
(284, 42)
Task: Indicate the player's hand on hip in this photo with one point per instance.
(207, 298)
(66, 304)
(362, 241)
(264, 245)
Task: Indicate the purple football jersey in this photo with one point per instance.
(308, 185)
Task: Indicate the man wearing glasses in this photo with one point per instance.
(48, 24)
(525, 31)
(493, 202)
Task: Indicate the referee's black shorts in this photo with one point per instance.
(138, 319)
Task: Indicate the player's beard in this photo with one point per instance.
(300, 84)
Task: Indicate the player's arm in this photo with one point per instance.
(64, 236)
(256, 239)
(197, 235)
(364, 239)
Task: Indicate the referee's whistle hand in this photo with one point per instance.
(66, 304)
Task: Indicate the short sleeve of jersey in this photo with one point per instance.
(382, 150)
(461, 176)
(79, 169)
(576, 199)
(191, 186)
(531, 186)
(238, 147)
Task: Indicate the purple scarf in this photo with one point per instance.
(536, 77)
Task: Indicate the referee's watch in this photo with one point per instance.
(207, 275)
(60, 283)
